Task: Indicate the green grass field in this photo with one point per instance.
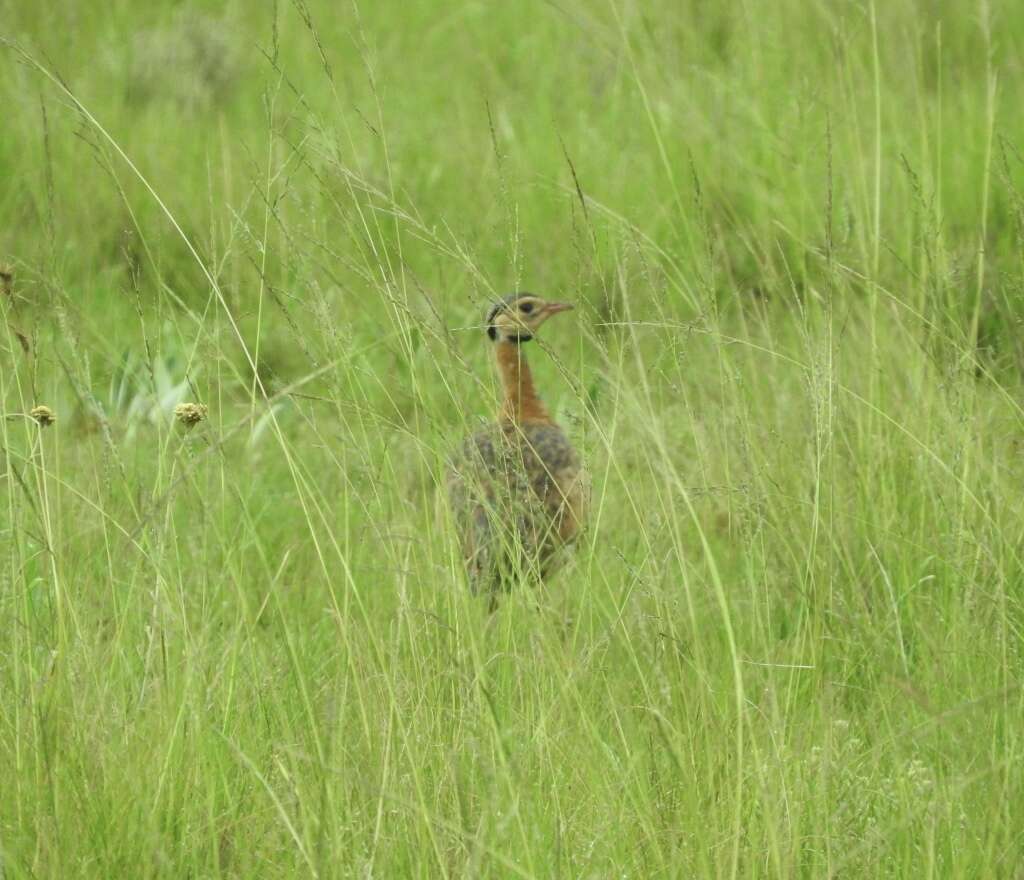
(790, 643)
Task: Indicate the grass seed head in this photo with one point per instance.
(6, 279)
(190, 414)
(43, 415)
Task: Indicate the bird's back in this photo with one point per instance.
(517, 492)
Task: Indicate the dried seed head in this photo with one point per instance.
(6, 278)
(190, 414)
(43, 415)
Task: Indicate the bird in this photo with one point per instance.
(517, 489)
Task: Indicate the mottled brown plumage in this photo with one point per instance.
(517, 489)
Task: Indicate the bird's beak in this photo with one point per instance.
(555, 308)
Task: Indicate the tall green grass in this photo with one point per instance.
(790, 641)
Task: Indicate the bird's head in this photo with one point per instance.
(517, 317)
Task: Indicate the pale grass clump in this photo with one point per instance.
(43, 415)
(190, 414)
(192, 60)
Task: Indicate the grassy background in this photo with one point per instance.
(791, 642)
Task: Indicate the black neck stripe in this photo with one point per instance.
(492, 331)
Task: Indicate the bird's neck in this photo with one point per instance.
(520, 403)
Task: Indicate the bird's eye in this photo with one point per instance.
(526, 308)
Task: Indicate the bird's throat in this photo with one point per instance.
(520, 403)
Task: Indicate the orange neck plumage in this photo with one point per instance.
(521, 403)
